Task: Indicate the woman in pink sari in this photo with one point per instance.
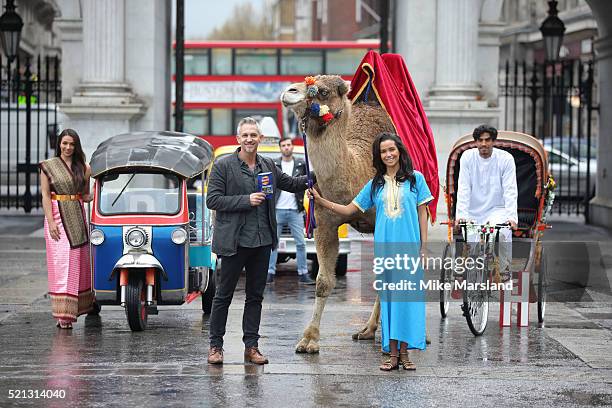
(65, 186)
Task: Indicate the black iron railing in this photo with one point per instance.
(29, 93)
(554, 102)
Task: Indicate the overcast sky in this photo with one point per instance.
(201, 16)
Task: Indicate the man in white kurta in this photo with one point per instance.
(487, 191)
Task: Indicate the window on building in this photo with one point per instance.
(196, 122)
(256, 61)
(221, 61)
(343, 62)
(222, 122)
(301, 62)
(196, 63)
(256, 114)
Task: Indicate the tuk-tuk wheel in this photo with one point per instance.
(135, 307)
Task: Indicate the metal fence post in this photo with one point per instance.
(27, 196)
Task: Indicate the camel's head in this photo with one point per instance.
(306, 99)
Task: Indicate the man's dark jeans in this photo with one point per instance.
(255, 262)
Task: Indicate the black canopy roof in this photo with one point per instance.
(180, 153)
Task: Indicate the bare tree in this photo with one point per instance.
(245, 24)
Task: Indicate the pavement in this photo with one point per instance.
(566, 362)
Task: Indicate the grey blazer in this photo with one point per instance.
(232, 203)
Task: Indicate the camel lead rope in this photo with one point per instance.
(311, 223)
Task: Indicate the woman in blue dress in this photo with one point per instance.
(399, 194)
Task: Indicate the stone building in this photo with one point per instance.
(116, 58)
(455, 49)
(115, 65)
(39, 36)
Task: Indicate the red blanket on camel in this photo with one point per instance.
(386, 78)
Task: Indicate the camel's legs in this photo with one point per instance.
(326, 239)
(369, 330)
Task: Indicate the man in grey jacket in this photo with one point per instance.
(244, 235)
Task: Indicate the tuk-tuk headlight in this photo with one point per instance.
(179, 236)
(136, 237)
(96, 236)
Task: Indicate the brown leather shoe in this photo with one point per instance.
(215, 355)
(253, 355)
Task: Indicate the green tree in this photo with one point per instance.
(245, 24)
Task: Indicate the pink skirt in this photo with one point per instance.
(69, 274)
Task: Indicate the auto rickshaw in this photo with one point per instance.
(150, 234)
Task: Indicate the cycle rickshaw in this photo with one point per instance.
(150, 232)
(535, 199)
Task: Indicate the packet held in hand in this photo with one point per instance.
(264, 184)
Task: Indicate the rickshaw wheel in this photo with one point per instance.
(476, 302)
(209, 294)
(445, 276)
(135, 308)
(542, 287)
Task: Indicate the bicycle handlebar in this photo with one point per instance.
(496, 226)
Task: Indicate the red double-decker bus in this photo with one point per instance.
(226, 81)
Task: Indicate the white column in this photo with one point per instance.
(104, 54)
(415, 34)
(103, 38)
(102, 104)
(489, 32)
(601, 206)
(70, 26)
(456, 52)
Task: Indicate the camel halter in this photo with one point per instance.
(311, 223)
(315, 110)
(323, 113)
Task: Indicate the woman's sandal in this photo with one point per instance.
(64, 325)
(388, 365)
(406, 363)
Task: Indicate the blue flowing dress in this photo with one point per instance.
(397, 227)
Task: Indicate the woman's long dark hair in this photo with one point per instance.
(405, 171)
(78, 157)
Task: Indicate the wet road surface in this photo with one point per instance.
(100, 363)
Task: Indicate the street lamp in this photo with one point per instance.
(10, 30)
(552, 29)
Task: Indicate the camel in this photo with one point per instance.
(341, 153)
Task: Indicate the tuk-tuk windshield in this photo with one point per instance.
(139, 193)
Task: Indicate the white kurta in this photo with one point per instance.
(487, 192)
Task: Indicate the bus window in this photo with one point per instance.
(221, 61)
(196, 122)
(196, 64)
(343, 61)
(255, 61)
(222, 122)
(256, 114)
(301, 62)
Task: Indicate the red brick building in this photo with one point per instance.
(325, 20)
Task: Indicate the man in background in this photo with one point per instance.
(290, 212)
